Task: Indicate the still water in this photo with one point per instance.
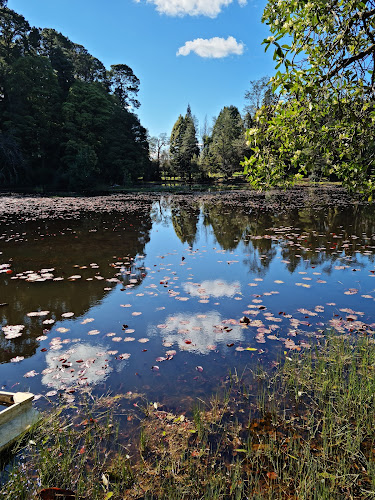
(145, 293)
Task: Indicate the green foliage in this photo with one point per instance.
(11, 160)
(175, 148)
(126, 151)
(125, 85)
(227, 144)
(324, 121)
(82, 164)
(64, 119)
(32, 112)
(14, 31)
(184, 149)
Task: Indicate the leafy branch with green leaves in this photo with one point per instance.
(323, 122)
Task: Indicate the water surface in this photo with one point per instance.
(145, 294)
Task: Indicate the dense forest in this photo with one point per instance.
(65, 120)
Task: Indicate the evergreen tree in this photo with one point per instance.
(86, 115)
(64, 119)
(14, 30)
(125, 155)
(31, 114)
(184, 148)
(125, 85)
(228, 141)
(176, 145)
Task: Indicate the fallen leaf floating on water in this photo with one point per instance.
(17, 359)
(93, 332)
(12, 331)
(50, 394)
(62, 329)
(125, 355)
(87, 320)
(37, 313)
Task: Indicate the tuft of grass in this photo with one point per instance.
(304, 432)
(74, 448)
(307, 432)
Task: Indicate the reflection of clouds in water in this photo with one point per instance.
(90, 371)
(203, 332)
(213, 288)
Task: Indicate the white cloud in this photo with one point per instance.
(210, 8)
(57, 376)
(204, 331)
(213, 47)
(213, 288)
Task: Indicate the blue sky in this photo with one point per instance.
(147, 34)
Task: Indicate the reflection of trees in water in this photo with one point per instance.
(185, 219)
(110, 241)
(182, 215)
(229, 226)
(161, 211)
(319, 236)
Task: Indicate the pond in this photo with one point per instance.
(145, 293)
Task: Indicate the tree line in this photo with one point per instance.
(220, 150)
(65, 120)
(314, 118)
(222, 147)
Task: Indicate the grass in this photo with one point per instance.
(305, 431)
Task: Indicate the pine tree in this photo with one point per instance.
(228, 141)
(176, 148)
(184, 145)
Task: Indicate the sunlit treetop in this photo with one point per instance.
(324, 121)
(322, 43)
